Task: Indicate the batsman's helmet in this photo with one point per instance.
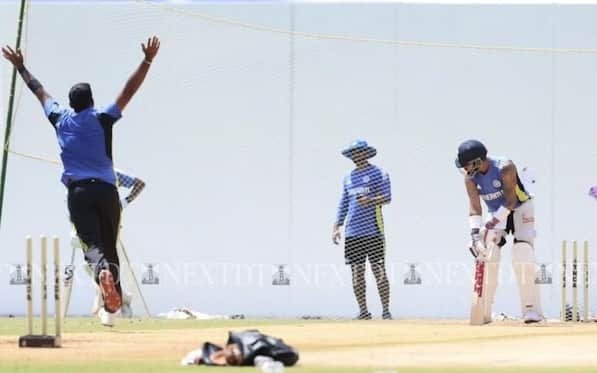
(469, 151)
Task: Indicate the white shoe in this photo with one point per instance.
(106, 318)
(126, 310)
(531, 316)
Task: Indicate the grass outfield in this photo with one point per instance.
(401, 346)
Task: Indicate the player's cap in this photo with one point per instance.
(469, 151)
(80, 97)
(359, 145)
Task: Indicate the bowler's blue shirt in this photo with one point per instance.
(85, 140)
(363, 221)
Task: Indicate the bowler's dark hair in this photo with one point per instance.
(80, 97)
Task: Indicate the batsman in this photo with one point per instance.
(495, 180)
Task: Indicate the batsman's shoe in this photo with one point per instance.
(106, 318)
(126, 311)
(364, 316)
(112, 300)
(531, 316)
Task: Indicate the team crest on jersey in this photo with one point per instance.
(366, 179)
(497, 184)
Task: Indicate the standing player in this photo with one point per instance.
(84, 135)
(364, 191)
(511, 211)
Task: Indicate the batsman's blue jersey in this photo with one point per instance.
(490, 186)
(363, 221)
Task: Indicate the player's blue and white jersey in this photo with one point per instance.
(363, 221)
(490, 185)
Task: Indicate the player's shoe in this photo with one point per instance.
(386, 315)
(531, 316)
(364, 316)
(112, 300)
(106, 318)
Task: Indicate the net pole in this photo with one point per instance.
(9, 112)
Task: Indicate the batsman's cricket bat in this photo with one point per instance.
(479, 298)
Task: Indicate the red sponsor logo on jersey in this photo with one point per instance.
(527, 219)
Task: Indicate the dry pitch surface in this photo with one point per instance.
(388, 345)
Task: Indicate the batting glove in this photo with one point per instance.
(477, 247)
